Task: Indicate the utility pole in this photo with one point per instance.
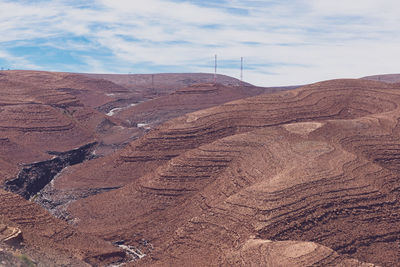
(153, 90)
(215, 70)
(241, 71)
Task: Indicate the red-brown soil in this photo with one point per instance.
(143, 87)
(48, 117)
(50, 241)
(317, 164)
(75, 182)
(62, 113)
(186, 100)
(42, 114)
(305, 177)
(163, 83)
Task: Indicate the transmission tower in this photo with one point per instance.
(215, 70)
(241, 71)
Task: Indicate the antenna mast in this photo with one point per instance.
(215, 70)
(241, 71)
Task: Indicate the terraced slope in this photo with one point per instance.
(303, 177)
(75, 183)
(43, 111)
(32, 121)
(50, 121)
(317, 164)
(257, 252)
(53, 242)
(186, 100)
(47, 122)
(164, 83)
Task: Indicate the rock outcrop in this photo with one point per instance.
(35, 176)
(51, 239)
(10, 235)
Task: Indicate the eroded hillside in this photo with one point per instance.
(51, 124)
(303, 177)
(268, 173)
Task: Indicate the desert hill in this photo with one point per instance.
(164, 83)
(143, 87)
(188, 99)
(143, 116)
(315, 164)
(43, 111)
(299, 177)
(51, 121)
(387, 78)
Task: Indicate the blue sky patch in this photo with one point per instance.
(283, 42)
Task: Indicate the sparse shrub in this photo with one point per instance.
(25, 259)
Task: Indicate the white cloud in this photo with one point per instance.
(290, 42)
(16, 62)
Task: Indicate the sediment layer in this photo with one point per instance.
(316, 164)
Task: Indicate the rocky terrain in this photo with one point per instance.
(50, 122)
(186, 100)
(302, 176)
(315, 164)
(164, 83)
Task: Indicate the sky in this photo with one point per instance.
(283, 42)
